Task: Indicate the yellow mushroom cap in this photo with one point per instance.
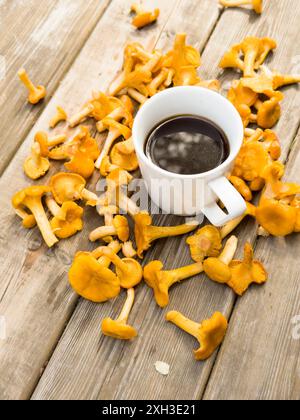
(122, 227)
(216, 270)
(159, 284)
(133, 275)
(207, 242)
(276, 218)
(91, 280)
(67, 187)
(118, 330)
(36, 191)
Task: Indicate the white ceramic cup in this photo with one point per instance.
(190, 195)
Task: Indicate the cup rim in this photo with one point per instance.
(139, 147)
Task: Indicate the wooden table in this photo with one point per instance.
(53, 348)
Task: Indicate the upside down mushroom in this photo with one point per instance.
(161, 281)
(143, 17)
(129, 271)
(36, 166)
(210, 333)
(31, 198)
(146, 233)
(36, 93)
(67, 219)
(257, 5)
(118, 228)
(91, 277)
(207, 242)
(119, 328)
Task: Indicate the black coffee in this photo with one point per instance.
(187, 145)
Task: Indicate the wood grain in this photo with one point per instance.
(260, 359)
(44, 37)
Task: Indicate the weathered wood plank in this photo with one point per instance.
(35, 298)
(260, 357)
(44, 37)
(87, 365)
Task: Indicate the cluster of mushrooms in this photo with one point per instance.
(257, 168)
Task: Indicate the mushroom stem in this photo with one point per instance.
(230, 226)
(88, 195)
(38, 211)
(52, 206)
(124, 315)
(116, 114)
(128, 205)
(80, 116)
(184, 323)
(229, 250)
(57, 140)
(107, 252)
(36, 154)
(184, 273)
(104, 261)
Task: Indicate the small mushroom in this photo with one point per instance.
(47, 143)
(123, 155)
(143, 17)
(277, 218)
(36, 93)
(161, 281)
(60, 115)
(31, 199)
(71, 187)
(67, 220)
(257, 5)
(128, 250)
(128, 270)
(269, 111)
(146, 233)
(116, 130)
(210, 333)
(91, 278)
(119, 328)
(231, 59)
(207, 242)
(36, 166)
(246, 272)
(217, 269)
(118, 228)
(275, 187)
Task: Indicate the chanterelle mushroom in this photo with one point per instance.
(246, 272)
(207, 242)
(31, 199)
(70, 187)
(67, 220)
(161, 281)
(36, 166)
(60, 115)
(91, 278)
(118, 228)
(143, 17)
(123, 155)
(146, 233)
(209, 333)
(36, 93)
(119, 328)
(128, 270)
(257, 5)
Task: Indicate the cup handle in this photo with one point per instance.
(232, 200)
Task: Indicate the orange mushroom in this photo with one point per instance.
(36, 93)
(210, 333)
(231, 59)
(123, 155)
(241, 186)
(278, 219)
(119, 328)
(128, 270)
(60, 115)
(67, 220)
(146, 233)
(28, 220)
(246, 272)
(207, 242)
(36, 166)
(118, 228)
(275, 187)
(31, 199)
